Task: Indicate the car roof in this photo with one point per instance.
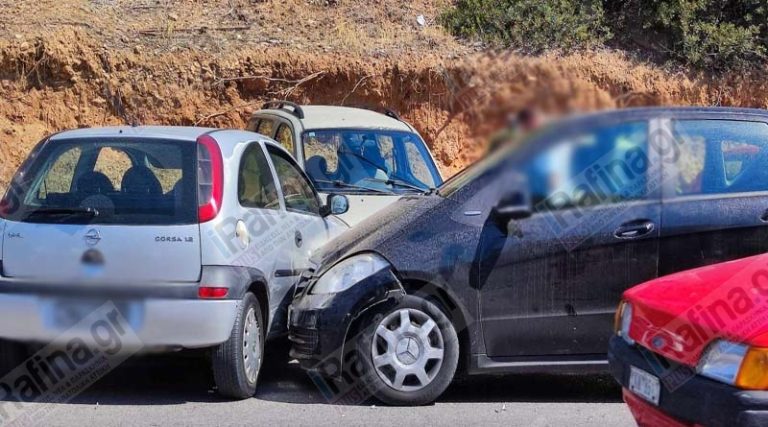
(335, 117)
(188, 133)
(672, 112)
(226, 138)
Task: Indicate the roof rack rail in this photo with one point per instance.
(383, 110)
(279, 105)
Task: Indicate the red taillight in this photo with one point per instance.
(210, 178)
(5, 207)
(207, 292)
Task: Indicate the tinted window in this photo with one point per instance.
(256, 188)
(720, 156)
(253, 125)
(600, 166)
(113, 163)
(285, 137)
(108, 182)
(266, 128)
(297, 191)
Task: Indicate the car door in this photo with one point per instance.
(715, 199)
(307, 229)
(549, 283)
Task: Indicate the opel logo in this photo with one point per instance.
(92, 237)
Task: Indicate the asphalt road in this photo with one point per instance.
(177, 390)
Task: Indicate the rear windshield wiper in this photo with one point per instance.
(66, 212)
(338, 183)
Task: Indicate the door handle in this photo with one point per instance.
(634, 229)
(298, 239)
(764, 216)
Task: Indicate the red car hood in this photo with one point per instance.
(679, 315)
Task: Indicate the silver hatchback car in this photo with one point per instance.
(196, 235)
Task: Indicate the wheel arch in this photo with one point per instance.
(439, 296)
(259, 289)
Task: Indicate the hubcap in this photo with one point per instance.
(407, 350)
(251, 346)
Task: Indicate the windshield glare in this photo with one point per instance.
(368, 160)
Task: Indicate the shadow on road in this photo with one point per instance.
(185, 377)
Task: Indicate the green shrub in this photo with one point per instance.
(533, 25)
(712, 34)
(704, 33)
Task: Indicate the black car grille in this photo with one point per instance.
(304, 341)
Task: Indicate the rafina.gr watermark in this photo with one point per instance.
(58, 372)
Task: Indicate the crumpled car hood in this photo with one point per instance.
(373, 232)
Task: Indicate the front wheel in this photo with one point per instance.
(409, 353)
(237, 361)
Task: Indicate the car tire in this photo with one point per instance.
(12, 354)
(392, 362)
(237, 361)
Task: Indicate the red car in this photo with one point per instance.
(691, 349)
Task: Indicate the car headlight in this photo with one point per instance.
(623, 321)
(347, 273)
(722, 361)
(736, 364)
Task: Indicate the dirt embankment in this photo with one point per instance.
(66, 79)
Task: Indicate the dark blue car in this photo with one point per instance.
(517, 263)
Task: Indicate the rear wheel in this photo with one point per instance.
(409, 353)
(237, 361)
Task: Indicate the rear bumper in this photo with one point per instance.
(161, 315)
(694, 401)
(157, 323)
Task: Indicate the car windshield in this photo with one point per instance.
(374, 161)
(113, 181)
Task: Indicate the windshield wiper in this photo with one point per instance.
(338, 183)
(392, 179)
(66, 212)
(400, 183)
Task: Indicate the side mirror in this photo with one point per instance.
(336, 204)
(514, 205)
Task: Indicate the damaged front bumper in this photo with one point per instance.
(319, 325)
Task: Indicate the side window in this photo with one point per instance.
(252, 125)
(321, 155)
(255, 186)
(266, 128)
(113, 163)
(601, 166)
(285, 137)
(719, 156)
(297, 191)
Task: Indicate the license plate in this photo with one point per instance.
(65, 313)
(644, 385)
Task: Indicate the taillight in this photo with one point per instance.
(208, 292)
(210, 178)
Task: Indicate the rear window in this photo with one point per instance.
(112, 181)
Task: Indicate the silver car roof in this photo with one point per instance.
(182, 133)
(333, 117)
